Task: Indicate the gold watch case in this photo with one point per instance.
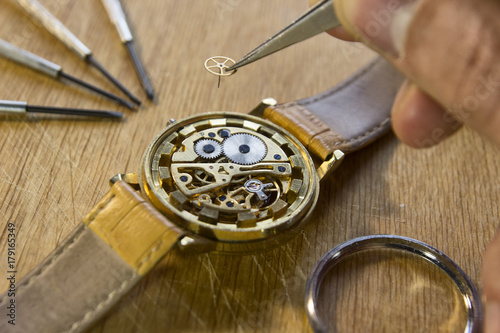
(238, 182)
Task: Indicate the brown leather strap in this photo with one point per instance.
(123, 237)
(120, 240)
(347, 117)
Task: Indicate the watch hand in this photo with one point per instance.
(318, 19)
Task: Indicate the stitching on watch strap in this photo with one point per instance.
(123, 286)
(101, 207)
(108, 299)
(22, 286)
(116, 291)
(367, 133)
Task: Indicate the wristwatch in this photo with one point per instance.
(225, 182)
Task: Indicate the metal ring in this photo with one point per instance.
(336, 255)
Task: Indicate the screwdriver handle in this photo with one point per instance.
(28, 59)
(117, 17)
(52, 24)
(13, 107)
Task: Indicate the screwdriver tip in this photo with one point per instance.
(114, 114)
(134, 99)
(139, 68)
(127, 104)
(91, 60)
(97, 90)
(150, 94)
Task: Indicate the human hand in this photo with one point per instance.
(448, 49)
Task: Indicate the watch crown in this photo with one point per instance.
(171, 121)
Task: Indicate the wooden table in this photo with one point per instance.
(54, 169)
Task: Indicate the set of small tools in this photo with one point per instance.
(117, 16)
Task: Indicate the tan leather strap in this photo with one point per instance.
(119, 241)
(347, 117)
(123, 237)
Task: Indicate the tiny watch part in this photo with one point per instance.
(234, 179)
(208, 148)
(244, 149)
(218, 65)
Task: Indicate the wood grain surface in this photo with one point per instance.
(54, 169)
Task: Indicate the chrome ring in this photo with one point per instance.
(336, 255)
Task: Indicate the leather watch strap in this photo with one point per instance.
(123, 237)
(347, 117)
(119, 241)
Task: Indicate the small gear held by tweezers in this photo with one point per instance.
(244, 149)
(208, 148)
(218, 66)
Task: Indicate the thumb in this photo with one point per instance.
(448, 48)
(491, 285)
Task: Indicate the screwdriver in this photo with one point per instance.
(46, 67)
(17, 107)
(59, 30)
(118, 18)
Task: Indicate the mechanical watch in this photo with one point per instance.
(225, 182)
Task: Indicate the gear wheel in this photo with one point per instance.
(243, 148)
(208, 148)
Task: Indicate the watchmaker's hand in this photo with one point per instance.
(491, 285)
(448, 49)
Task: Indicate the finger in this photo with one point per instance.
(341, 33)
(427, 40)
(418, 120)
(491, 285)
(338, 32)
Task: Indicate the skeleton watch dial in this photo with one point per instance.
(230, 177)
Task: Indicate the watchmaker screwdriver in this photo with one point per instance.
(48, 68)
(59, 30)
(118, 18)
(16, 107)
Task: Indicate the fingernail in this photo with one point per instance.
(381, 24)
(492, 318)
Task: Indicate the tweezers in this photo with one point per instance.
(318, 19)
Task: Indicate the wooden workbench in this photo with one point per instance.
(53, 170)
